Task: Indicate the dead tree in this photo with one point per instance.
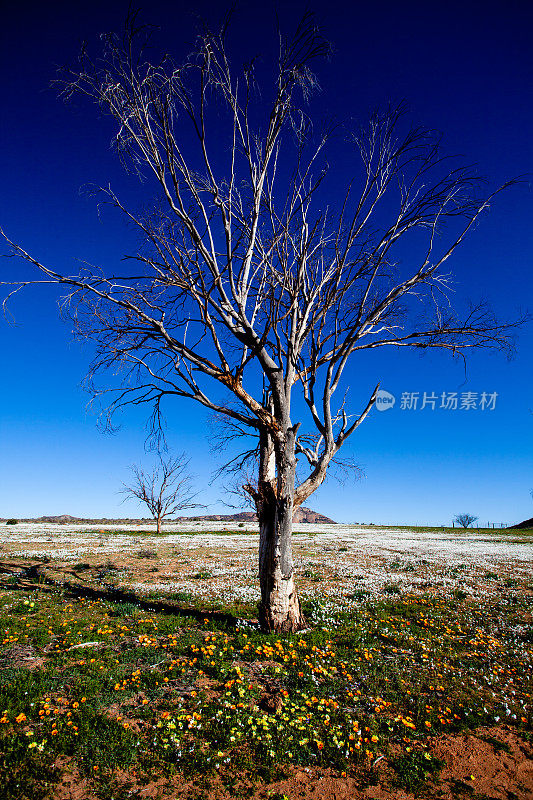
(253, 273)
(465, 520)
(165, 489)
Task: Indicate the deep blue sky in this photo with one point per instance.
(463, 68)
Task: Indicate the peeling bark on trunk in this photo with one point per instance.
(279, 609)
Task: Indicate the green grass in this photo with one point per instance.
(159, 695)
(415, 768)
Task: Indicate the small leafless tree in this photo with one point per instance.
(164, 489)
(256, 276)
(465, 520)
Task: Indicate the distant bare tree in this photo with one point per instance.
(465, 520)
(253, 276)
(165, 489)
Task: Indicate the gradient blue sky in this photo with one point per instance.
(463, 68)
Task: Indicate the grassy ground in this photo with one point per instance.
(166, 700)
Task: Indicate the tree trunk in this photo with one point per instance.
(159, 521)
(279, 609)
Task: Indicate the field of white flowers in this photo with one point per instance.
(218, 560)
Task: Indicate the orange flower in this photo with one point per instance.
(21, 718)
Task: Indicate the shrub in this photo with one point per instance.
(414, 769)
(392, 588)
(147, 554)
(359, 594)
(12, 522)
(202, 574)
(312, 575)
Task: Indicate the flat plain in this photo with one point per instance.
(132, 665)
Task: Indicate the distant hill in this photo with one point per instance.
(302, 515)
(527, 523)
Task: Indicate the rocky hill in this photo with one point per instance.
(302, 514)
(527, 523)
(312, 517)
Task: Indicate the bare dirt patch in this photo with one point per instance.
(494, 761)
(20, 657)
